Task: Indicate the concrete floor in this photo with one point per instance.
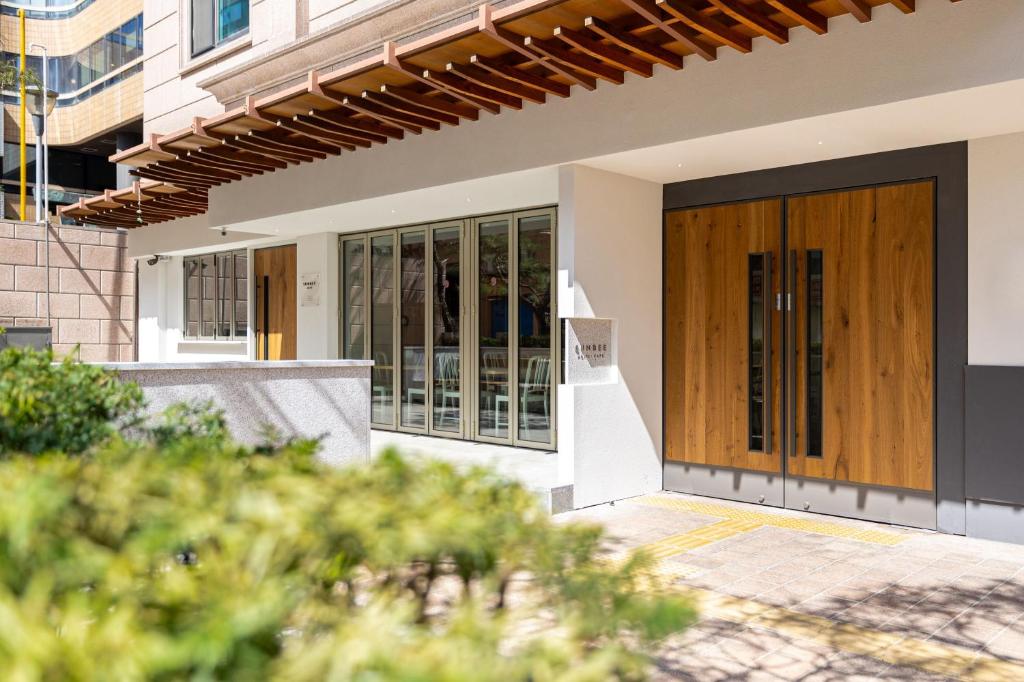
(793, 596)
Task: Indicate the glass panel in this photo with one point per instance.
(382, 338)
(241, 295)
(447, 306)
(224, 303)
(192, 297)
(493, 327)
(202, 26)
(534, 278)
(755, 398)
(209, 296)
(232, 18)
(815, 338)
(414, 365)
(354, 300)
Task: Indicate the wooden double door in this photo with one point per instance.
(799, 350)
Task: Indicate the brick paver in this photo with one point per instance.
(792, 596)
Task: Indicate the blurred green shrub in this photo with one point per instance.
(66, 406)
(202, 560)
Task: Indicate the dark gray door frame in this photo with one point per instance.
(947, 165)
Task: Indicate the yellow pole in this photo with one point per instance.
(21, 113)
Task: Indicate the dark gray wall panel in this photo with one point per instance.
(995, 434)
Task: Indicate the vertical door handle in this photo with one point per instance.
(767, 417)
(791, 284)
(266, 317)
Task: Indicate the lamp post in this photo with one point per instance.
(41, 101)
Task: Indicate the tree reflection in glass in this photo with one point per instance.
(493, 328)
(534, 309)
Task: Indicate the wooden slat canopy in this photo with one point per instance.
(144, 203)
(505, 57)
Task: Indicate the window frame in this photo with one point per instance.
(220, 303)
(217, 42)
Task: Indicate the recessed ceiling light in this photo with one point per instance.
(90, 150)
(820, 142)
(679, 165)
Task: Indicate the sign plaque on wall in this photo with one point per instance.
(309, 285)
(590, 351)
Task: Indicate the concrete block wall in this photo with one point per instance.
(92, 288)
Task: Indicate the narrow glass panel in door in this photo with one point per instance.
(493, 321)
(413, 330)
(354, 299)
(534, 318)
(382, 338)
(445, 329)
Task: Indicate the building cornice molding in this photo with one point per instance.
(343, 42)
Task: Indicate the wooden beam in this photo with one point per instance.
(388, 116)
(152, 173)
(259, 161)
(682, 34)
(633, 43)
(418, 73)
(270, 147)
(753, 19)
(857, 8)
(413, 109)
(709, 26)
(515, 42)
(906, 6)
(802, 14)
(347, 131)
(510, 72)
(318, 134)
(243, 145)
(197, 170)
(434, 103)
(198, 157)
(579, 62)
(448, 82)
(610, 54)
(485, 78)
(344, 119)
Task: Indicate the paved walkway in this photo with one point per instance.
(793, 596)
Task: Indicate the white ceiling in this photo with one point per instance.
(983, 111)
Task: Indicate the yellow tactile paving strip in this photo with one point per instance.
(888, 647)
(759, 519)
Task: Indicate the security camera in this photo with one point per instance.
(156, 259)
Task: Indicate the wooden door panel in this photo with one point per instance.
(707, 335)
(276, 316)
(877, 323)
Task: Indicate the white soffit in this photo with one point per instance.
(482, 196)
(979, 112)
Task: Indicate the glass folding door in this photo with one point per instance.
(514, 311)
(464, 362)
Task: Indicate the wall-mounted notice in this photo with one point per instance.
(309, 288)
(590, 351)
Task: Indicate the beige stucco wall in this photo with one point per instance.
(995, 250)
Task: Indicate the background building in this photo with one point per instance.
(95, 54)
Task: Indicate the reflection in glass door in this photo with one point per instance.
(353, 282)
(382, 334)
(446, 345)
(534, 287)
(493, 409)
(413, 277)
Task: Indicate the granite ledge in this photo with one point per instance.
(233, 364)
